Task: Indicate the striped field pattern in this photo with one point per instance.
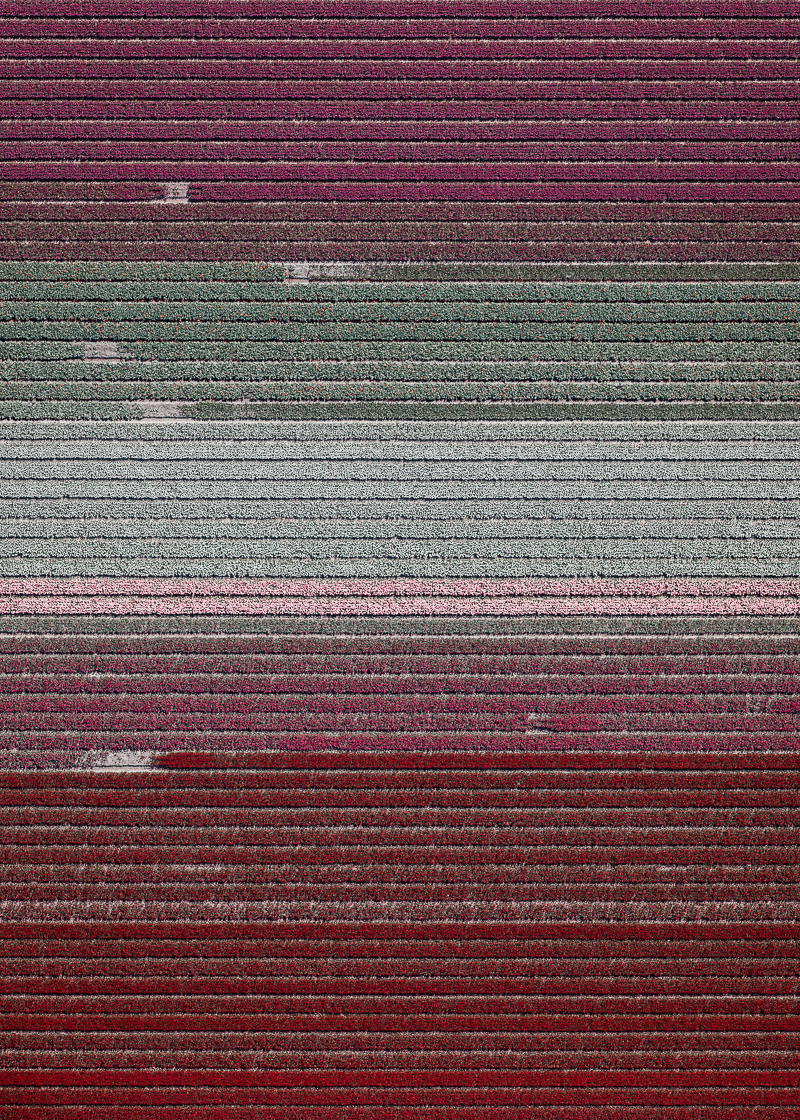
(238, 342)
(399, 560)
